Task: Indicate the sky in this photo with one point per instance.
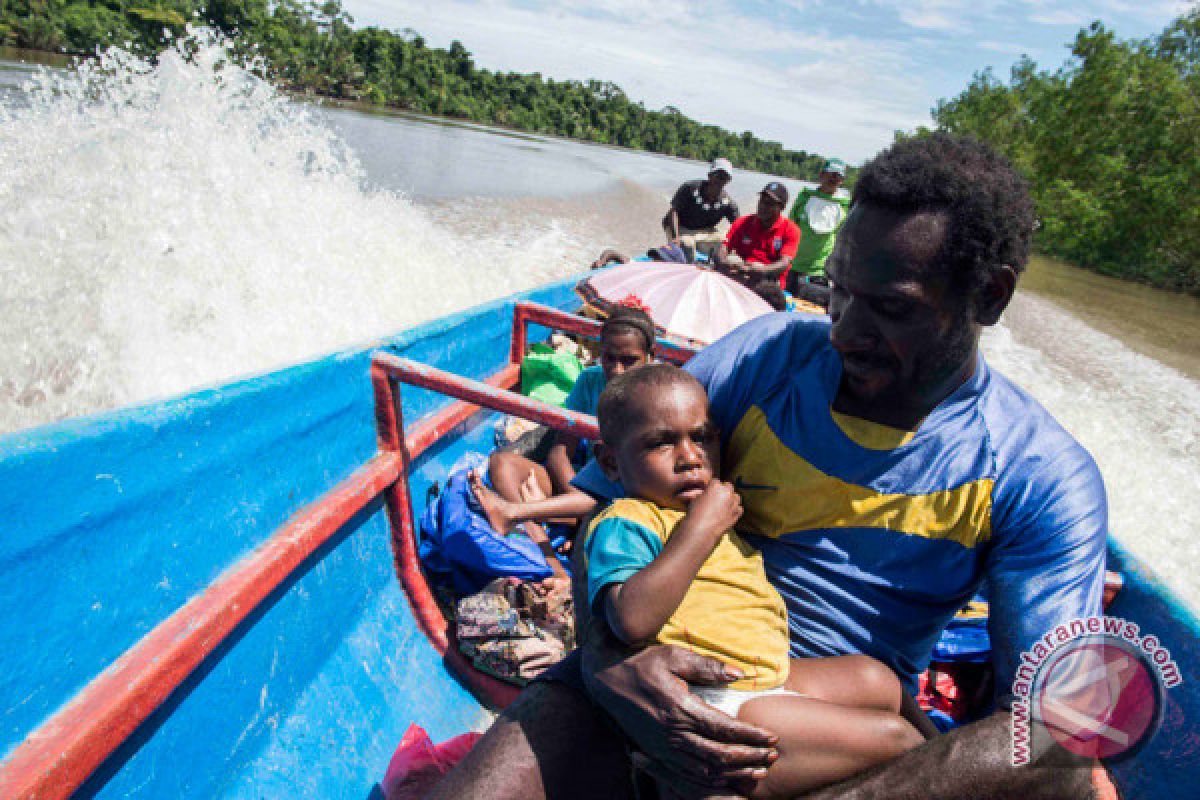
(835, 77)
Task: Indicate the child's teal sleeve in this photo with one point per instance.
(585, 394)
(617, 549)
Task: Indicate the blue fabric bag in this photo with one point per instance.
(463, 552)
(965, 639)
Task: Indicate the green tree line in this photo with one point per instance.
(314, 47)
(1111, 144)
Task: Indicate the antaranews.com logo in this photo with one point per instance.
(1096, 685)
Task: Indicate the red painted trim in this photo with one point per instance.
(1114, 582)
(520, 333)
(486, 395)
(423, 435)
(58, 757)
(525, 313)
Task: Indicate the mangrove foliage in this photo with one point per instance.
(314, 47)
(1111, 144)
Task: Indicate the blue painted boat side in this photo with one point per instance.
(113, 522)
(1166, 765)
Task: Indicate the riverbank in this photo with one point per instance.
(316, 48)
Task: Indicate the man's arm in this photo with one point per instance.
(701, 750)
(646, 692)
(671, 224)
(772, 271)
(970, 762)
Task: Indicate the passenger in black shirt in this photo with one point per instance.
(696, 209)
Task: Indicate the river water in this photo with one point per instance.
(169, 227)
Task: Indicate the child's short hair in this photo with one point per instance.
(625, 318)
(623, 392)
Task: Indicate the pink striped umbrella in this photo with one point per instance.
(684, 300)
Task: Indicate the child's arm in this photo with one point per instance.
(638, 608)
(539, 537)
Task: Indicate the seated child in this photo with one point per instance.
(626, 341)
(665, 566)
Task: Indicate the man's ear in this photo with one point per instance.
(995, 294)
(606, 459)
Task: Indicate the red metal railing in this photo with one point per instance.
(64, 751)
(525, 313)
(386, 371)
(60, 755)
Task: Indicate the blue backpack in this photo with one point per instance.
(463, 552)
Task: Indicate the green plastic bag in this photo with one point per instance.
(549, 375)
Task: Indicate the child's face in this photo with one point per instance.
(621, 351)
(670, 448)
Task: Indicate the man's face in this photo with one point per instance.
(669, 449)
(903, 334)
(769, 209)
(829, 182)
(718, 180)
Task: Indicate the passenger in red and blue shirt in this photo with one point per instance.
(760, 246)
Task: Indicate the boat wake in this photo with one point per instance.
(1139, 419)
(172, 224)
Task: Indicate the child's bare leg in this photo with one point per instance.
(515, 491)
(821, 743)
(855, 681)
(501, 512)
(509, 470)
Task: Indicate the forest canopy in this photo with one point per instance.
(314, 47)
(1111, 144)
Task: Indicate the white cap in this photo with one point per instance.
(721, 165)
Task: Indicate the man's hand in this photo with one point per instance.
(716, 509)
(700, 748)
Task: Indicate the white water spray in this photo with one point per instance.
(167, 225)
(1139, 419)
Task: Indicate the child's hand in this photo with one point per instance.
(717, 508)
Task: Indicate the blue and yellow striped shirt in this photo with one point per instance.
(875, 537)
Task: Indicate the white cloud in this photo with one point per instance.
(830, 94)
(1060, 16)
(828, 76)
(1005, 48)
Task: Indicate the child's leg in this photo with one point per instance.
(854, 681)
(507, 472)
(822, 743)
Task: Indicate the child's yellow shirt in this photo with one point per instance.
(730, 612)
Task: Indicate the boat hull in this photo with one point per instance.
(113, 523)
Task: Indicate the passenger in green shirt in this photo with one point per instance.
(819, 212)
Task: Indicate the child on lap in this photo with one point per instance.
(665, 566)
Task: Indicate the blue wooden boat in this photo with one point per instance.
(218, 596)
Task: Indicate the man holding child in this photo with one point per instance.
(886, 473)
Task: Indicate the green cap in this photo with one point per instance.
(836, 166)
